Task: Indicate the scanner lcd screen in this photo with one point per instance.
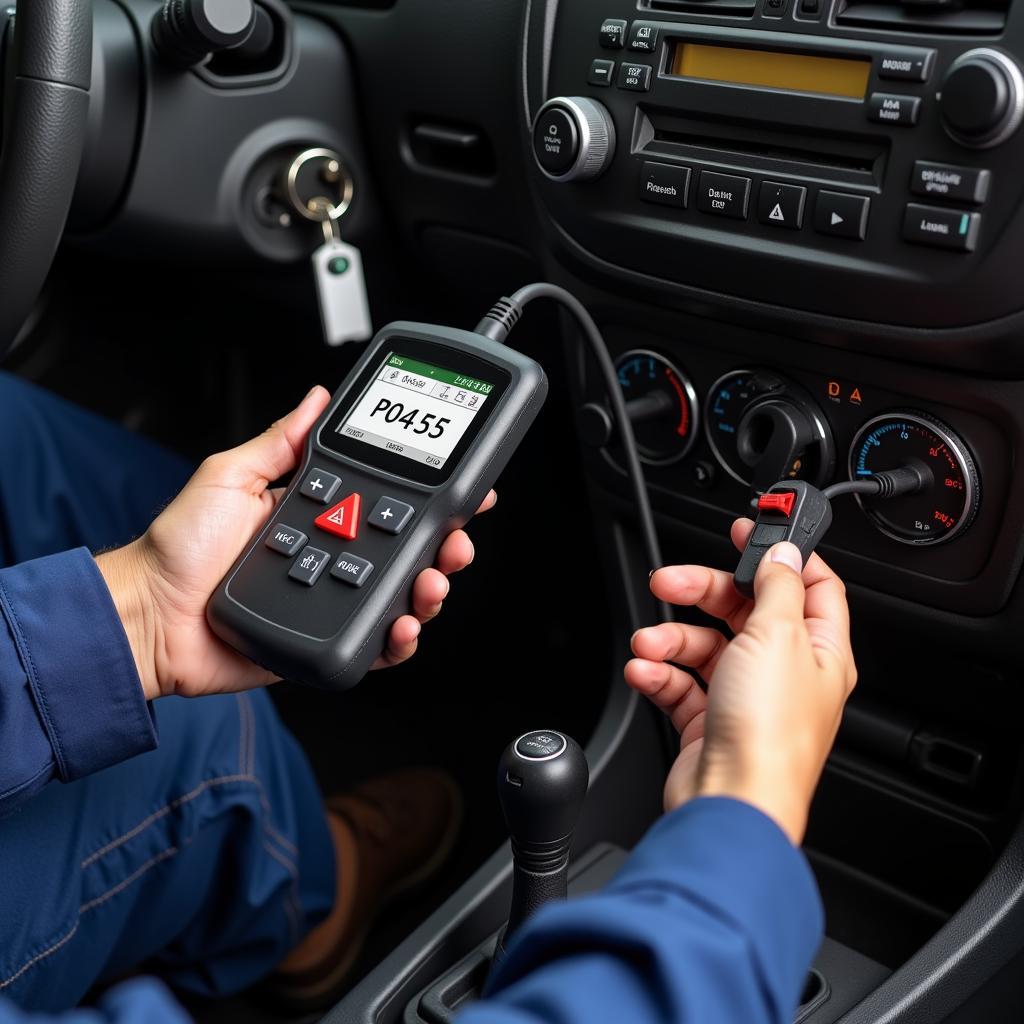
(416, 410)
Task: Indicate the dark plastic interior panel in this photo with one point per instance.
(975, 571)
(193, 194)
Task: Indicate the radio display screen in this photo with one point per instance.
(795, 72)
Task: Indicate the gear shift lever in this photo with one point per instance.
(542, 780)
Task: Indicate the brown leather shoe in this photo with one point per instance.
(390, 834)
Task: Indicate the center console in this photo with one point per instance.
(792, 178)
(799, 225)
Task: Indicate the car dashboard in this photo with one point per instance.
(798, 225)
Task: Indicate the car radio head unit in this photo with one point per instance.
(790, 153)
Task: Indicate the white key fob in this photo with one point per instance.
(341, 289)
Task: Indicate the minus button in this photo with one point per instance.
(601, 72)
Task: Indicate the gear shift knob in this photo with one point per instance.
(542, 780)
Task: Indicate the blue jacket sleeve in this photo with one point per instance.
(70, 698)
(714, 917)
(140, 1001)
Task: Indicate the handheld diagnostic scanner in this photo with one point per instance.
(409, 446)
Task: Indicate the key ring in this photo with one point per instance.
(320, 208)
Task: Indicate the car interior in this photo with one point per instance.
(798, 228)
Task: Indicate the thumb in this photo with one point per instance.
(278, 449)
(779, 589)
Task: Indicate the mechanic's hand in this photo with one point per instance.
(162, 581)
(775, 692)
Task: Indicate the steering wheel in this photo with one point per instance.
(46, 102)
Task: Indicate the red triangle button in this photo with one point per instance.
(343, 519)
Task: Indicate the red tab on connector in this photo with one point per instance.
(777, 501)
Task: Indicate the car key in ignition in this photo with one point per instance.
(319, 187)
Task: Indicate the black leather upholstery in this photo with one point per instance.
(43, 139)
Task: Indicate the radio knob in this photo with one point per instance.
(573, 138)
(982, 98)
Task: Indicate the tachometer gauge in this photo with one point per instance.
(942, 510)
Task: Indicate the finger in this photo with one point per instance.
(814, 570)
(669, 688)
(278, 449)
(456, 552)
(828, 618)
(740, 532)
(694, 728)
(402, 642)
(697, 586)
(779, 589)
(489, 502)
(698, 647)
(826, 611)
(429, 590)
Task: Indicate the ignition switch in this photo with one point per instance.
(186, 32)
(764, 428)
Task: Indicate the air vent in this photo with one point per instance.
(727, 8)
(939, 17)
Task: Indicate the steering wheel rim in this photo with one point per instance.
(46, 102)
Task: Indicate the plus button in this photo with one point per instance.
(391, 515)
(320, 485)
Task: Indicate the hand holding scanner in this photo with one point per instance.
(406, 451)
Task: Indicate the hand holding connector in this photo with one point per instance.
(794, 511)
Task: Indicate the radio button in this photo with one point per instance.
(613, 34)
(601, 72)
(941, 227)
(842, 215)
(723, 194)
(635, 77)
(781, 206)
(887, 108)
(644, 36)
(945, 181)
(773, 8)
(667, 184)
(906, 65)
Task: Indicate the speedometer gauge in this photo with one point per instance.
(944, 508)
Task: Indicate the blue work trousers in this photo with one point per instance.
(204, 860)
